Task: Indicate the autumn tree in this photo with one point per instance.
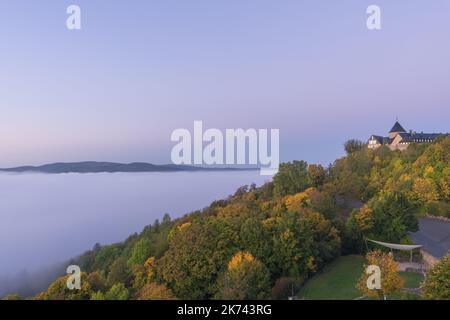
(154, 291)
(119, 272)
(360, 224)
(364, 219)
(349, 176)
(312, 198)
(322, 202)
(437, 284)
(143, 274)
(316, 174)
(302, 242)
(97, 281)
(297, 202)
(424, 190)
(245, 278)
(390, 280)
(197, 255)
(59, 290)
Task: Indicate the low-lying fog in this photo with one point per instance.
(46, 219)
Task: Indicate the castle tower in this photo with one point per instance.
(397, 128)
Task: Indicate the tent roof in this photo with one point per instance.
(404, 247)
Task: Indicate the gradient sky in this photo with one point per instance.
(137, 70)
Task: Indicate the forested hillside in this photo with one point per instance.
(260, 241)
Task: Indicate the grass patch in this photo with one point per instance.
(412, 279)
(337, 281)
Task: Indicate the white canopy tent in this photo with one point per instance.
(402, 247)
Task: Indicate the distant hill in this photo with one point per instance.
(97, 167)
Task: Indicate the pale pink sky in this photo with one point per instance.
(116, 89)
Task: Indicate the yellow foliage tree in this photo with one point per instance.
(297, 202)
(444, 189)
(246, 278)
(437, 284)
(390, 279)
(425, 190)
(364, 218)
(149, 267)
(239, 259)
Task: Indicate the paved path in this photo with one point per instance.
(408, 266)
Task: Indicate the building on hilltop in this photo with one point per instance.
(399, 139)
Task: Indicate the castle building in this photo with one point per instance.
(399, 139)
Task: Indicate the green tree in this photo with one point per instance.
(117, 292)
(98, 296)
(292, 177)
(166, 219)
(353, 145)
(105, 257)
(255, 238)
(119, 272)
(141, 252)
(393, 216)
